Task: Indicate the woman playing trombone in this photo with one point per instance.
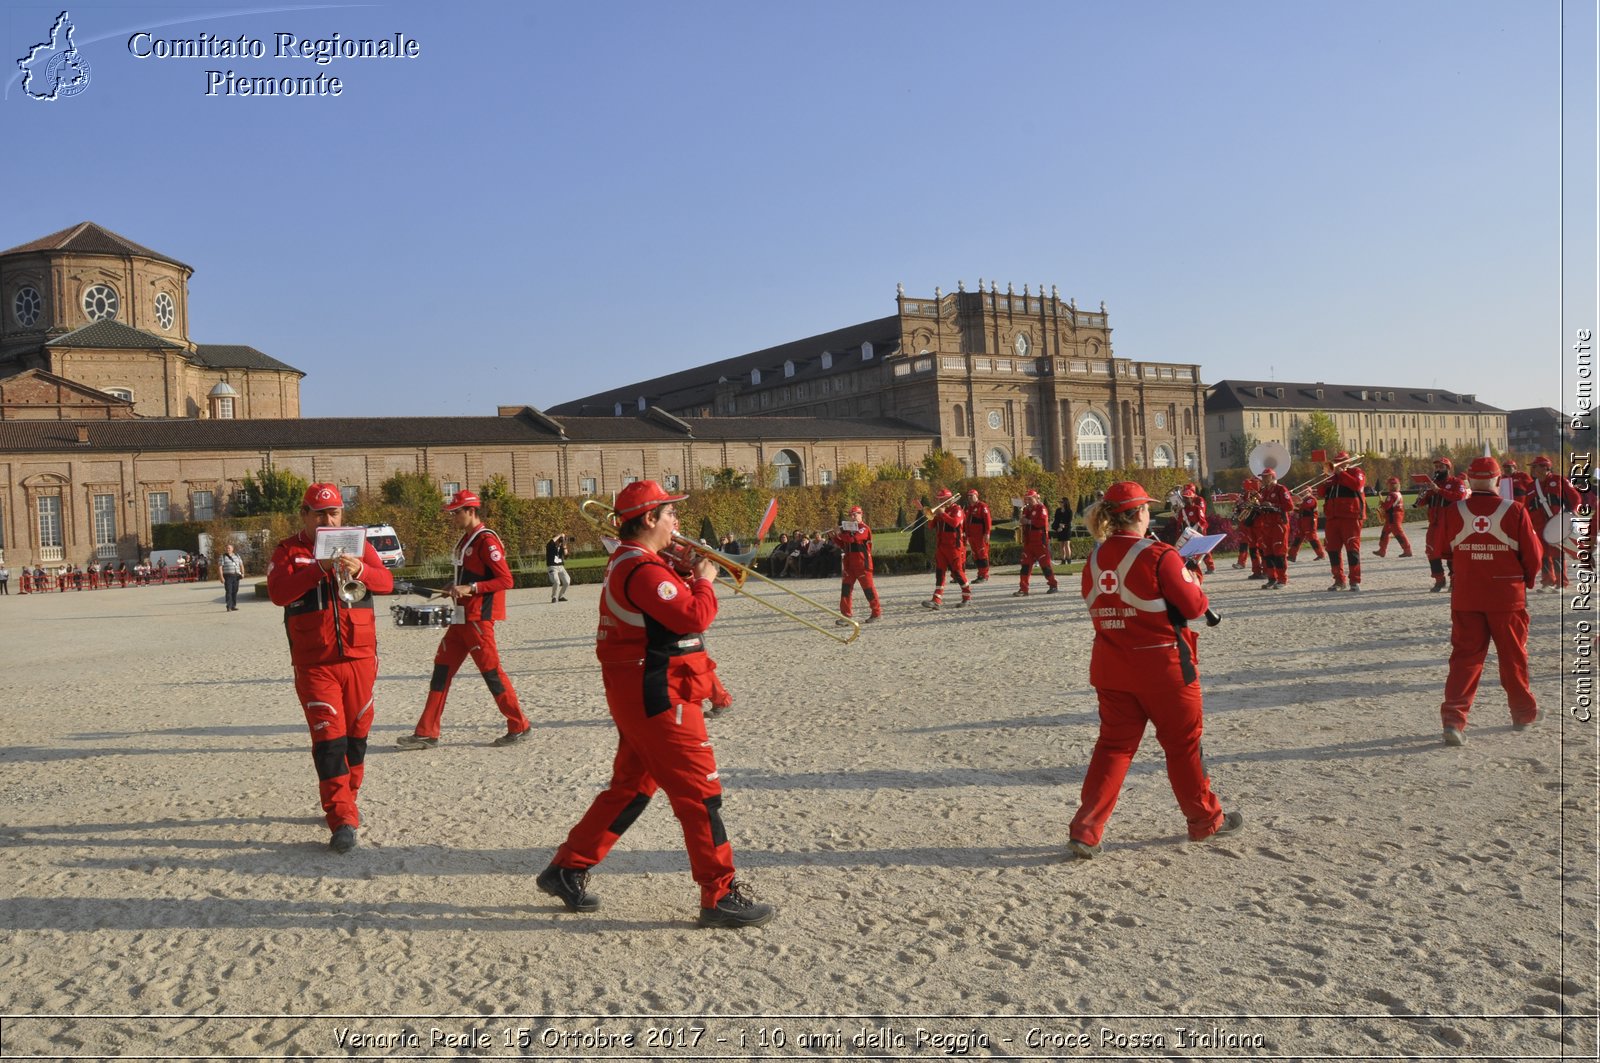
(1144, 667)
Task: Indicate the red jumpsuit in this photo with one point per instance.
(1245, 531)
(1194, 516)
(1496, 557)
(1035, 528)
(1144, 667)
(1552, 497)
(1446, 491)
(481, 560)
(950, 554)
(1272, 531)
(656, 671)
(334, 648)
(855, 566)
(1344, 511)
(1305, 528)
(1394, 515)
(980, 522)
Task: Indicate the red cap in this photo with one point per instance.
(1483, 468)
(1446, 462)
(855, 509)
(1270, 471)
(1032, 492)
(944, 493)
(1509, 464)
(1250, 483)
(1540, 460)
(1343, 455)
(322, 496)
(463, 500)
(640, 497)
(1188, 491)
(1394, 479)
(1125, 495)
(972, 492)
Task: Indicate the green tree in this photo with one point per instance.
(1317, 432)
(272, 491)
(1240, 444)
(854, 478)
(943, 469)
(717, 479)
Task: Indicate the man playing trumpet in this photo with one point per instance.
(854, 540)
(1272, 529)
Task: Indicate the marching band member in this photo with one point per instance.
(654, 665)
(980, 522)
(1447, 490)
(1143, 666)
(1394, 515)
(334, 649)
(1496, 555)
(482, 577)
(1521, 482)
(854, 540)
(1193, 515)
(1245, 514)
(1552, 497)
(1272, 528)
(1305, 527)
(950, 553)
(1035, 528)
(1344, 511)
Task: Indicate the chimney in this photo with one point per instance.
(83, 435)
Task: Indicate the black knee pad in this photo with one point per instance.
(355, 751)
(626, 817)
(719, 834)
(492, 679)
(440, 680)
(331, 758)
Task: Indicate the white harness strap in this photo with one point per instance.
(1144, 605)
(1494, 529)
(631, 617)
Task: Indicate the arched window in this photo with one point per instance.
(1188, 422)
(995, 462)
(788, 368)
(790, 472)
(1163, 457)
(961, 420)
(1030, 423)
(1094, 445)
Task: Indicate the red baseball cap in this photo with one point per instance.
(1250, 483)
(1540, 460)
(322, 496)
(973, 491)
(855, 509)
(463, 500)
(1188, 491)
(1032, 492)
(640, 497)
(1394, 479)
(1483, 468)
(1509, 464)
(1446, 462)
(1343, 455)
(1125, 495)
(944, 492)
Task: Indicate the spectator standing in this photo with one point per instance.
(231, 566)
(555, 561)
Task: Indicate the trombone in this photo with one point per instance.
(1338, 466)
(925, 515)
(603, 518)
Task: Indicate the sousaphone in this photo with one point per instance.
(1274, 456)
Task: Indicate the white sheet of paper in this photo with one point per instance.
(331, 542)
(1200, 544)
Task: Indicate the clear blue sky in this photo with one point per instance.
(559, 197)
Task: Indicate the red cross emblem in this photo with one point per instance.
(1108, 582)
(1480, 525)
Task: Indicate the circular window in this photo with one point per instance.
(27, 306)
(994, 420)
(1161, 420)
(100, 303)
(165, 310)
(1022, 345)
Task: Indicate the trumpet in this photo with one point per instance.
(604, 521)
(1338, 466)
(351, 590)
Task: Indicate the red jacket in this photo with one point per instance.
(1141, 597)
(1035, 524)
(1277, 502)
(948, 524)
(1394, 508)
(1496, 552)
(1344, 495)
(980, 522)
(1442, 495)
(1194, 514)
(1307, 516)
(321, 628)
(650, 641)
(1549, 495)
(481, 560)
(855, 549)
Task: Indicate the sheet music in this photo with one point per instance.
(332, 542)
(1200, 544)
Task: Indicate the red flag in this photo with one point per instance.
(767, 521)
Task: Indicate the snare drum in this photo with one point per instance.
(420, 615)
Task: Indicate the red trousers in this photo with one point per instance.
(980, 556)
(1343, 533)
(1470, 634)
(1177, 718)
(868, 587)
(337, 701)
(1305, 531)
(1553, 567)
(1273, 535)
(1398, 531)
(950, 562)
(1040, 554)
(668, 751)
(475, 638)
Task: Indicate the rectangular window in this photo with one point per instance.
(1255, 420)
(50, 548)
(588, 486)
(159, 503)
(105, 525)
(450, 488)
(708, 481)
(827, 477)
(670, 482)
(350, 493)
(225, 408)
(203, 504)
(626, 480)
(544, 488)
